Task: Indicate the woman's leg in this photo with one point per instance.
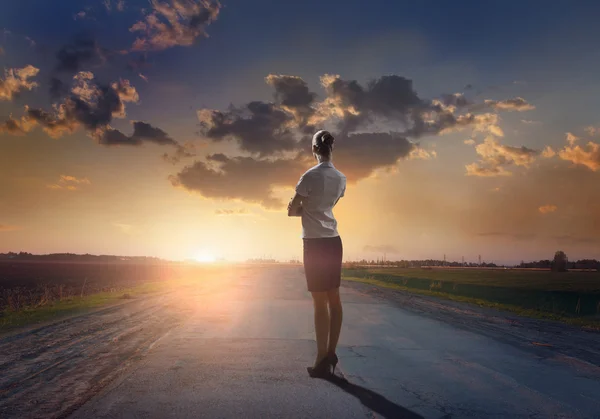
(335, 314)
(320, 300)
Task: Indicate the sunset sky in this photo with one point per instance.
(179, 128)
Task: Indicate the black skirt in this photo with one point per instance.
(323, 263)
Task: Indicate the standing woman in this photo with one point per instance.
(317, 192)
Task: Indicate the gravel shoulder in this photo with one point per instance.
(49, 371)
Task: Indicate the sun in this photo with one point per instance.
(203, 256)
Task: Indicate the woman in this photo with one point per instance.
(317, 192)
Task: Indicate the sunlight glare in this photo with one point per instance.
(205, 257)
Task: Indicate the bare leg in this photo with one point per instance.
(335, 325)
(320, 300)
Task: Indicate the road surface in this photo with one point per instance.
(238, 345)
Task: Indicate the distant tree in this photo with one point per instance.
(559, 264)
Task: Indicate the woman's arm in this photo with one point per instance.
(295, 206)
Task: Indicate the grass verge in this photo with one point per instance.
(11, 320)
(593, 324)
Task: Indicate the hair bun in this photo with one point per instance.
(327, 138)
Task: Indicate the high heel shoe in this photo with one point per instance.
(333, 360)
(321, 370)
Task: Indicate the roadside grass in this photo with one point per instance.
(75, 305)
(590, 323)
(513, 278)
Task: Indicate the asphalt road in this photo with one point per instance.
(243, 350)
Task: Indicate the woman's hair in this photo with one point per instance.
(323, 143)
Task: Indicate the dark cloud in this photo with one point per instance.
(81, 54)
(90, 105)
(173, 23)
(389, 97)
(259, 127)
(292, 94)
(242, 178)
(358, 155)
(142, 133)
(252, 180)
(58, 88)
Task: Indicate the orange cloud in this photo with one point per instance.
(70, 183)
(174, 23)
(419, 153)
(495, 156)
(4, 227)
(16, 80)
(517, 104)
(588, 156)
(545, 209)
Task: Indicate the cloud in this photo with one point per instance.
(388, 97)
(545, 209)
(142, 133)
(259, 127)
(241, 178)
(16, 126)
(90, 105)
(1, 51)
(380, 249)
(517, 104)
(174, 23)
(70, 183)
(5, 227)
(361, 154)
(230, 212)
(273, 131)
(253, 180)
(81, 53)
(530, 122)
(495, 156)
(293, 95)
(469, 141)
(588, 155)
(141, 76)
(592, 131)
(16, 80)
(419, 153)
(548, 152)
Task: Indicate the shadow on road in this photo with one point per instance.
(374, 401)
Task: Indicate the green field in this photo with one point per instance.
(565, 296)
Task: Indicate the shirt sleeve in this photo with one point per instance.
(343, 189)
(303, 187)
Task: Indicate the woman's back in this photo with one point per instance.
(321, 187)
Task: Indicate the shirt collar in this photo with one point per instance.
(326, 164)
